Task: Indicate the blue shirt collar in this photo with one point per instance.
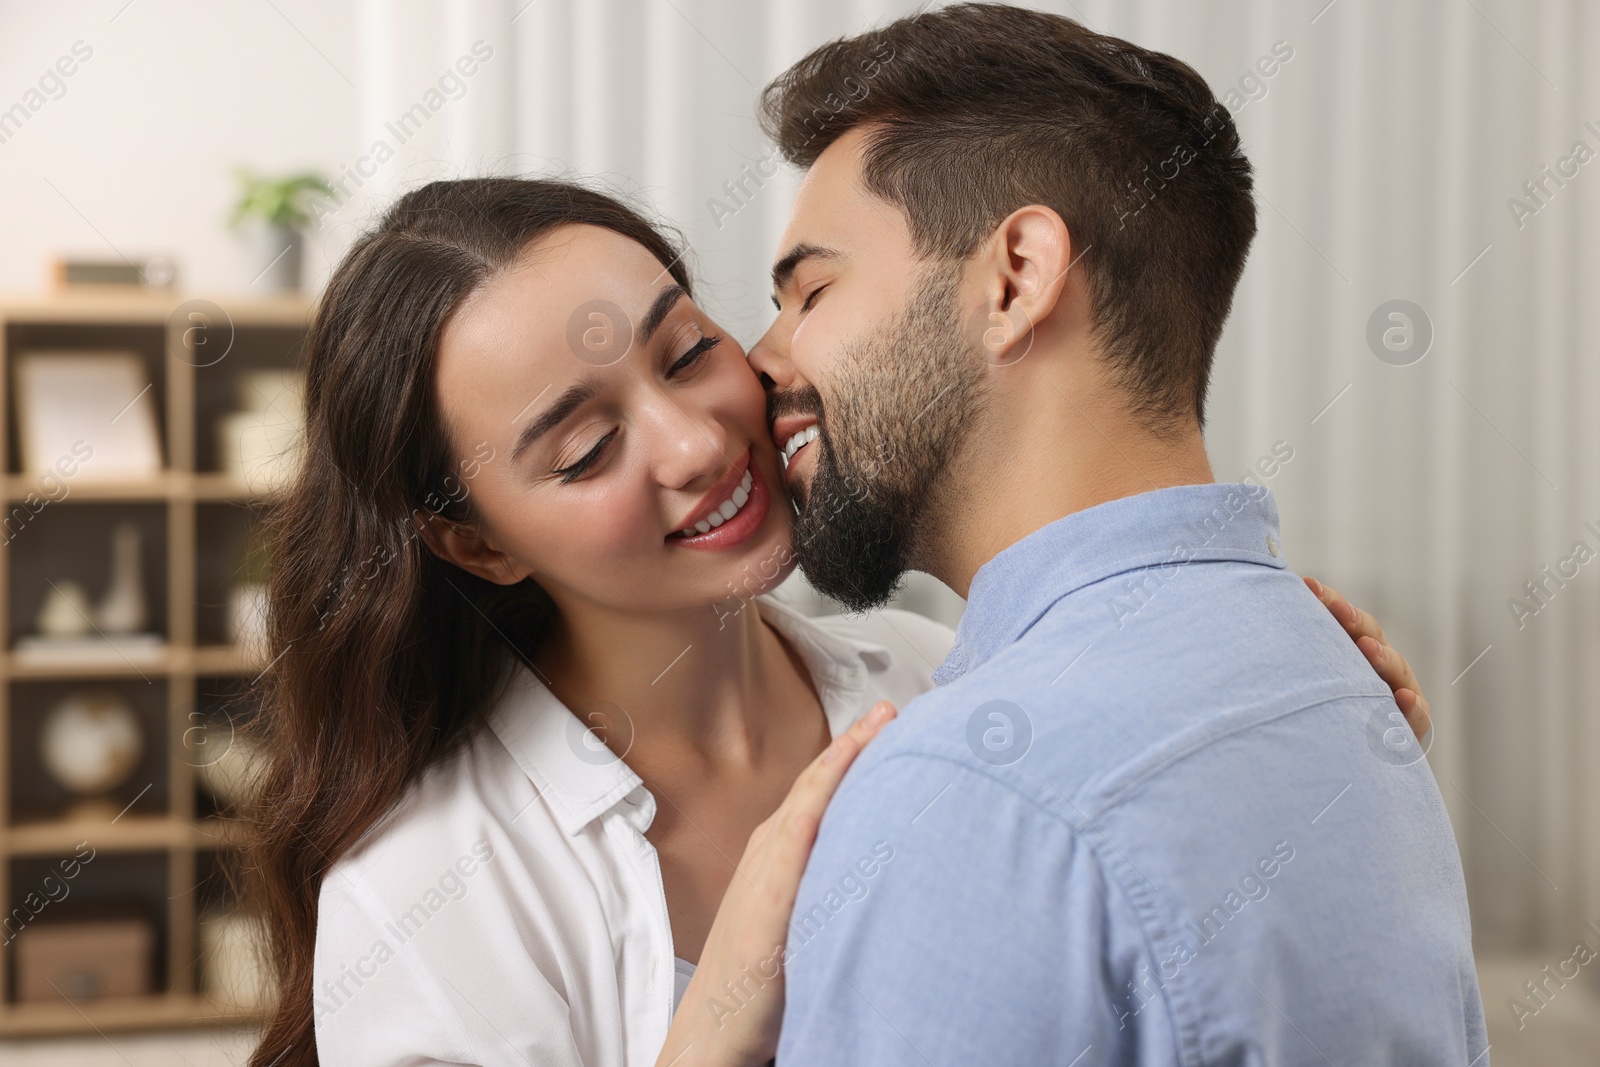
(1185, 523)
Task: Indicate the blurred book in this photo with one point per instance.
(70, 401)
(157, 272)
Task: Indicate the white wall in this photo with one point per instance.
(135, 157)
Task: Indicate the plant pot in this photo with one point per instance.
(277, 252)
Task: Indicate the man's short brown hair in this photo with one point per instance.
(979, 109)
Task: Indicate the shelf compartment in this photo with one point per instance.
(74, 544)
(217, 388)
(137, 879)
(147, 340)
(222, 531)
(35, 796)
(225, 760)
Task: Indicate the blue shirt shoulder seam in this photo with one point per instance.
(1121, 791)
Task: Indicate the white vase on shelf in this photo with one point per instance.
(123, 610)
(247, 617)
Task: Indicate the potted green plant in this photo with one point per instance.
(279, 211)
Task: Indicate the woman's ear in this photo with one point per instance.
(463, 544)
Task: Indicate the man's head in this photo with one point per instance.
(984, 181)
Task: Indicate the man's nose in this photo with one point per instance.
(769, 358)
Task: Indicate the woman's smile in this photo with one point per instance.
(726, 516)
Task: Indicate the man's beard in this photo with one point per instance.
(902, 405)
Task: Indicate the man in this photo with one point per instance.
(1160, 810)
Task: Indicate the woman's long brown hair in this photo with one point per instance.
(384, 657)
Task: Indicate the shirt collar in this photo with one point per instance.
(1185, 523)
(582, 779)
(834, 660)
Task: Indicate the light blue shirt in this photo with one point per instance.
(1160, 811)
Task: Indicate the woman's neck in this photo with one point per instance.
(700, 684)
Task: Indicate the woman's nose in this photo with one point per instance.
(694, 447)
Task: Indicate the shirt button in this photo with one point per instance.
(1272, 545)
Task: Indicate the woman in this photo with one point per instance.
(522, 574)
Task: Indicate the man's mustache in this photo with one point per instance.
(802, 401)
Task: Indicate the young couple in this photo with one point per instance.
(544, 747)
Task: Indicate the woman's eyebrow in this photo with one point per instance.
(576, 395)
(664, 302)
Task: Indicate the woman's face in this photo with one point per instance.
(598, 414)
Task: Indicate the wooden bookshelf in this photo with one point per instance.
(170, 841)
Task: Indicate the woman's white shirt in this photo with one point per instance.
(510, 911)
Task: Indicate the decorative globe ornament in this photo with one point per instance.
(91, 743)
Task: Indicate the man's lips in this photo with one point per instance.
(786, 429)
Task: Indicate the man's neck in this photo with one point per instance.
(1031, 464)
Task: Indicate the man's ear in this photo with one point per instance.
(1025, 266)
(463, 545)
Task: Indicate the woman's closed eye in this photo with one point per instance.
(574, 470)
(688, 360)
(695, 351)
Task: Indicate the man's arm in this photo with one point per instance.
(946, 918)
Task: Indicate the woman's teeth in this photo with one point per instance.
(725, 511)
(793, 444)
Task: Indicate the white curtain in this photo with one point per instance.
(1391, 148)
